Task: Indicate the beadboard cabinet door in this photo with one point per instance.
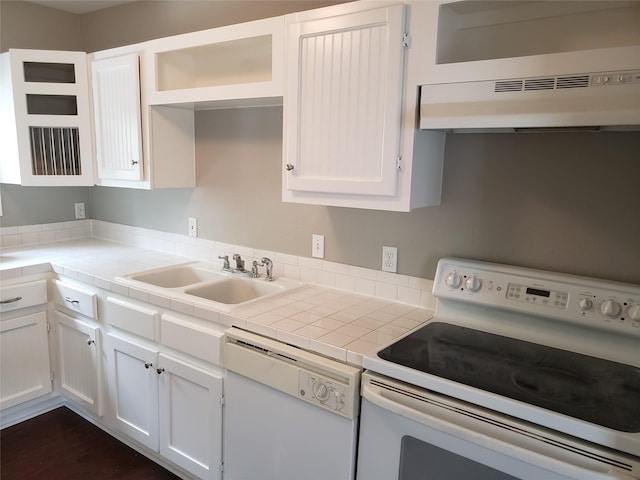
(343, 103)
(118, 123)
(79, 362)
(190, 417)
(133, 389)
(25, 371)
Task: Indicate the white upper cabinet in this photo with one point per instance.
(236, 65)
(118, 123)
(137, 145)
(348, 125)
(45, 122)
(344, 102)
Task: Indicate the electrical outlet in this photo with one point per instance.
(193, 227)
(80, 213)
(389, 259)
(317, 246)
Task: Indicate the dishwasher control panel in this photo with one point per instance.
(323, 391)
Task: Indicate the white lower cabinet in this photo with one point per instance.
(190, 417)
(167, 404)
(25, 371)
(79, 350)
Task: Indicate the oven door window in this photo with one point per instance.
(420, 460)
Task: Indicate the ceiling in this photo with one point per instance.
(79, 6)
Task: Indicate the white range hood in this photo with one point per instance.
(595, 99)
(531, 65)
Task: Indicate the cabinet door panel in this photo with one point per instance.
(191, 417)
(133, 390)
(46, 139)
(79, 357)
(116, 101)
(343, 100)
(24, 359)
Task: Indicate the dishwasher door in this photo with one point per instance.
(288, 414)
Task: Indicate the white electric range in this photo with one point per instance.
(520, 374)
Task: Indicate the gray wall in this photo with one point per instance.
(561, 201)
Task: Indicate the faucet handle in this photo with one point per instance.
(254, 269)
(225, 265)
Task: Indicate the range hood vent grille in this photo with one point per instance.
(539, 84)
(508, 86)
(577, 81)
(547, 83)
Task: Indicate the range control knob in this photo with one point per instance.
(453, 280)
(634, 312)
(321, 391)
(585, 304)
(610, 308)
(473, 283)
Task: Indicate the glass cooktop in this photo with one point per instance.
(591, 389)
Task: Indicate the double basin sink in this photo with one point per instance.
(224, 289)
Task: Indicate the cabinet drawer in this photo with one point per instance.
(132, 318)
(75, 298)
(21, 295)
(195, 340)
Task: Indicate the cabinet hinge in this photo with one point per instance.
(48, 327)
(406, 40)
(51, 375)
(221, 400)
(399, 163)
(221, 467)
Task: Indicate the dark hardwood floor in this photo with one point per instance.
(61, 445)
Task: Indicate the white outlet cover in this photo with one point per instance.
(317, 246)
(80, 212)
(389, 259)
(193, 227)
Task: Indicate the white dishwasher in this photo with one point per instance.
(288, 414)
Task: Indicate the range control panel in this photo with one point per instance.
(587, 301)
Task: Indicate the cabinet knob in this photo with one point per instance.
(159, 370)
(134, 162)
(148, 364)
(91, 342)
(289, 167)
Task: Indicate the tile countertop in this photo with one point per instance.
(339, 324)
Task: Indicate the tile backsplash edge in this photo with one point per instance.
(394, 287)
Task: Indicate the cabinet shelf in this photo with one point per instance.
(486, 30)
(238, 65)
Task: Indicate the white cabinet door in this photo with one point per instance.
(191, 417)
(24, 359)
(79, 362)
(116, 104)
(343, 103)
(133, 389)
(46, 134)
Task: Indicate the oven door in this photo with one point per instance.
(407, 433)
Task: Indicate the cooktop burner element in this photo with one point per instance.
(598, 391)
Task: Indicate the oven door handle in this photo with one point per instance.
(381, 397)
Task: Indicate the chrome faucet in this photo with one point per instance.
(266, 262)
(225, 265)
(239, 263)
